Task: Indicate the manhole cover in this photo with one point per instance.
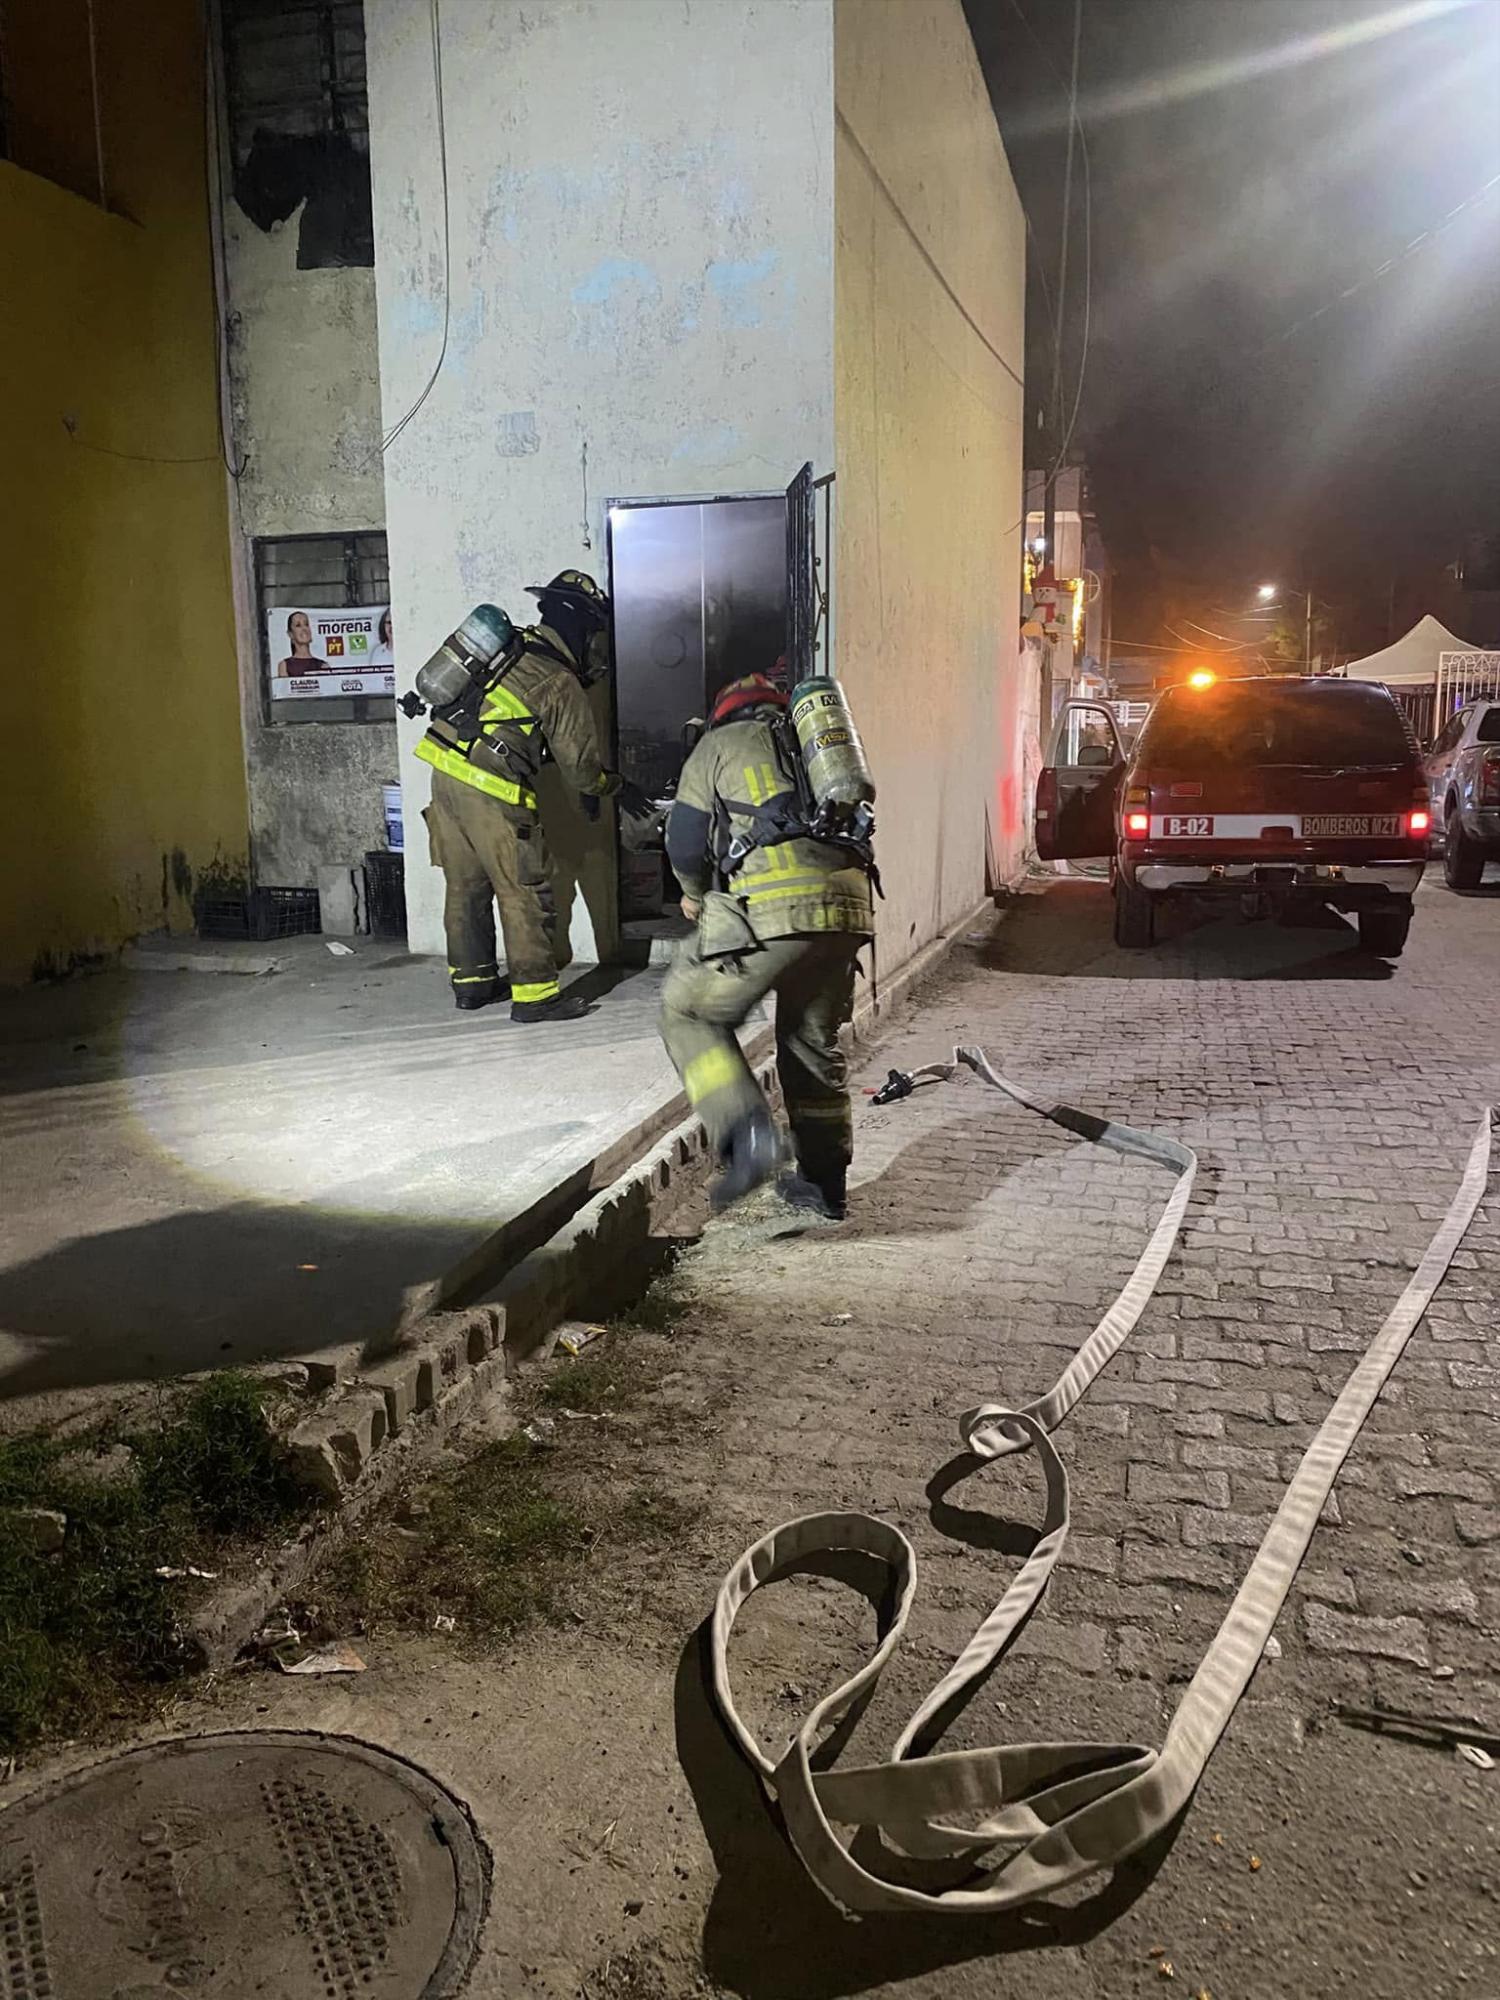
(270, 1864)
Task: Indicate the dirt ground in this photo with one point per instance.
(635, 1856)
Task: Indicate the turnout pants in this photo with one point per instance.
(705, 999)
(493, 855)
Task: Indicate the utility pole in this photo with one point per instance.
(1049, 501)
(1307, 650)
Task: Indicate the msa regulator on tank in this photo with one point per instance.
(838, 776)
(456, 674)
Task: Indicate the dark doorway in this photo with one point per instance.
(700, 597)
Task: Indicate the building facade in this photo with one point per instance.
(125, 790)
(513, 288)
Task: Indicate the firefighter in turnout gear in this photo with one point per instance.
(485, 830)
(777, 911)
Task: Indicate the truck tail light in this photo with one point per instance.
(1138, 824)
(1419, 822)
(1489, 779)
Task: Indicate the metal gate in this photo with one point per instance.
(1462, 678)
(1418, 705)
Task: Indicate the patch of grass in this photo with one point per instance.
(86, 1633)
(219, 1465)
(497, 1544)
(488, 1550)
(589, 1381)
(511, 1537)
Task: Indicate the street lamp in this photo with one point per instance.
(1269, 592)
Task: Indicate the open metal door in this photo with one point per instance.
(801, 577)
(1077, 793)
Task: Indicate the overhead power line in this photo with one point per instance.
(442, 137)
(1057, 315)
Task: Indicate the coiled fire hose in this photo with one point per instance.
(1018, 1821)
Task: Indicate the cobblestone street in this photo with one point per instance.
(1332, 1101)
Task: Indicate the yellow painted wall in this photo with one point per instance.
(930, 305)
(123, 772)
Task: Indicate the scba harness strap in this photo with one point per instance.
(497, 742)
(1024, 1820)
(790, 815)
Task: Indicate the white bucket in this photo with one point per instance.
(395, 836)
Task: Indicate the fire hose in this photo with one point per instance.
(1017, 1821)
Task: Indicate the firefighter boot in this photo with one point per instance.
(822, 1200)
(561, 1007)
(751, 1153)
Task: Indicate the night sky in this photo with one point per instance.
(1250, 160)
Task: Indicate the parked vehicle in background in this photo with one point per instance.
(1276, 793)
(1463, 780)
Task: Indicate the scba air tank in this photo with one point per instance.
(465, 655)
(831, 750)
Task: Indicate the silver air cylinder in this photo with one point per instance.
(830, 745)
(464, 655)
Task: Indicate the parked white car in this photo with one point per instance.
(1463, 781)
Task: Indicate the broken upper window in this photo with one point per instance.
(299, 128)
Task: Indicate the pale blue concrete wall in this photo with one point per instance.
(641, 212)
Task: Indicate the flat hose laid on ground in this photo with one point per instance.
(1018, 1821)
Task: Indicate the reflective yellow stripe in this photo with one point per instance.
(547, 990)
(715, 1069)
(500, 705)
(831, 1114)
(454, 764)
(782, 884)
(760, 783)
(473, 978)
(779, 861)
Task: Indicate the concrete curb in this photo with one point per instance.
(605, 1246)
(376, 1425)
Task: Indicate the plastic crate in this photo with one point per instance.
(385, 893)
(285, 913)
(224, 916)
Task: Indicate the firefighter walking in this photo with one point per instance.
(778, 911)
(486, 833)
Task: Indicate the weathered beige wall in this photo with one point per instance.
(641, 249)
(929, 311)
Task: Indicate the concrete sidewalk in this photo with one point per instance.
(204, 1170)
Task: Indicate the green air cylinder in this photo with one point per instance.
(830, 745)
(464, 656)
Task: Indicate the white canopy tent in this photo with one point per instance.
(1412, 661)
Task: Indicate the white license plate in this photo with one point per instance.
(1356, 826)
(1188, 826)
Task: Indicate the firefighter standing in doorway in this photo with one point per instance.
(777, 911)
(486, 832)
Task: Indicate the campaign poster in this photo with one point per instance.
(317, 653)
